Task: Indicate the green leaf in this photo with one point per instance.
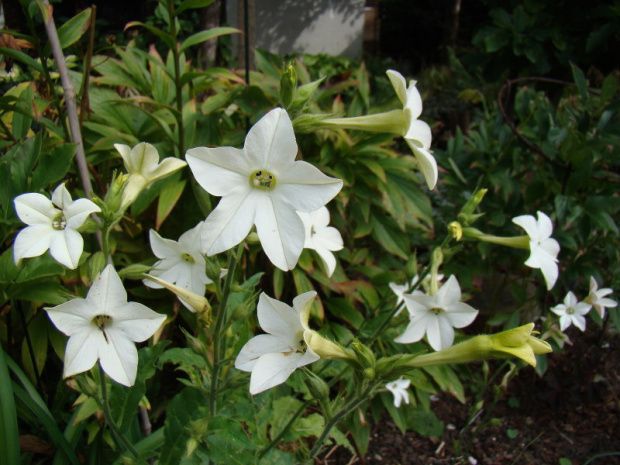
(9, 434)
(70, 32)
(191, 4)
(30, 62)
(53, 166)
(167, 38)
(37, 332)
(228, 442)
(580, 80)
(203, 36)
(168, 198)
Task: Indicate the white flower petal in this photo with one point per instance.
(459, 314)
(167, 166)
(32, 241)
(306, 188)
(119, 358)
(528, 222)
(550, 247)
(426, 163)
(272, 369)
(449, 292)
(77, 212)
(73, 316)
(135, 322)
(258, 346)
(162, 247)
(399, 83)
(280, 230)
(66, 247)
(61, 197)
(279, 319)
(545, 226)
(440, 333)
(328, 259)
(107, 293)
(419, 135)
(549, 268)
(230, 222)
(221, 170)
(270, 143)
(83, 350)
(35, 209)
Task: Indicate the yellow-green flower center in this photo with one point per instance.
(102, 321)
(570, 310)
(437, 310)
(262, 180)
(59, 222)
(188, 258)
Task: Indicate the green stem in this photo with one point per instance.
(337, 417)
(218, 336)
(177, 78)
(284, 430)
(119, 438)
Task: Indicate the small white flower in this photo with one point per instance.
(51, 225)
(572, 312)
(272, 357)
(418, 134)
(543, 249)
(261, 185)
(399, 389)
(104, 326)
(321, 237)
(437, 316)
(400, 289)
(180, 263)
(142, 164)
(597, 297)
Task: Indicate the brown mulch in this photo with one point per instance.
(572, 412)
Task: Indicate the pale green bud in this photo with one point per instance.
(288, 85)
(198, 302)
(456, 230)
(325, 348)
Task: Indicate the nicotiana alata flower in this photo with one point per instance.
(404, 122)
(104, 326)
(399, 389)
(142, 164)
(261, 185)
(321, 237)
(180, 263)
(418, 134)
(401, 289)
(597, 298)
(572, 312)
(543, 248)
(51, 225)
(437, 316)
(272, 357)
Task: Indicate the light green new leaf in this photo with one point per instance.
(203, 36)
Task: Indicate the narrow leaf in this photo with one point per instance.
(206, 35)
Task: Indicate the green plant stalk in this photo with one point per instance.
(9, 434)
(119, 438)
(284, 430)
(177, 78)
(339, 416)
(218, 337)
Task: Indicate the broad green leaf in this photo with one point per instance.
(37, 333)
(53, 166)
(168, 198)
(203, 36)
(228, 441)
(72, 30)
(192, 4)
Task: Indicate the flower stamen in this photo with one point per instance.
(262, 180)
(188, 258)
(59, 222)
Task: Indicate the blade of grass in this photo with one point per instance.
(9, 434)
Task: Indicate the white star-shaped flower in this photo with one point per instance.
(180, 263)
(543, 248)
(437, 316)
(399, 389)
(418, 134)
(400, 289)
(272, 357)
(261, 185)
(572, 312)
(597, 297)
(321, 237)
(142, 164)
(104, 326)
(51, 225)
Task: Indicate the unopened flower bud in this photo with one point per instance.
(411, 268)
(456, 230)
(369, 373)
(325, 348)
(466, 215)
(213, 269)
(316, 385)
(288, 85)
(190, 447)
(365, 356)
(197, 302)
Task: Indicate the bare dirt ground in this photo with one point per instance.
(572, 412)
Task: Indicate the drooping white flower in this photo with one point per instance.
(142, 164)
(321, 237)
(597, 297)
(272, 357)
(261, 185)
(400, 289)
(399, 389)
(104, 327)
(572, 312)
(51, 225)
(418, 134)
(180, 263)
(543, 249)
(437, 316)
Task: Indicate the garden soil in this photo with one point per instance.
(572, 412)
